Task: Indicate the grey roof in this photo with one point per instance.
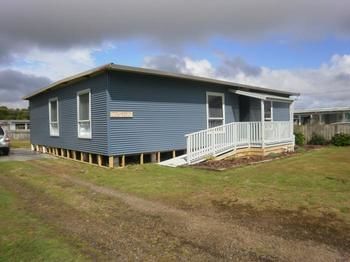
(137, 70)
(321, 110)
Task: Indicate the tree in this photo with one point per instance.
(13, 114)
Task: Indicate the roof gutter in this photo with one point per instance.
(68, 80)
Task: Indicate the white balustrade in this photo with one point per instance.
(218, 140)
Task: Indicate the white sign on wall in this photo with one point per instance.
(121, 114)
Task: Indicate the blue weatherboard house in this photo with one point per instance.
(113, 113)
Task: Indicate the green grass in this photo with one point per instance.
(20, 144)
(24, 238)
(317, 181)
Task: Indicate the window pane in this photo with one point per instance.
(53, 111)
(347, 116)
(214, 123)
(54, 129)
(267, 107)
(1, 132)
(339, 117)
(84, 129)
(215, 104)
(20, 126)
(84, 107)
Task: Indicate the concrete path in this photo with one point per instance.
(22, 154)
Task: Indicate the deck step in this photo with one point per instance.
(175, 162)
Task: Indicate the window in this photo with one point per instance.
(84, 114)
(268, 110)
(20, 126)
(347, 117)
(215, 109)
(54, 117)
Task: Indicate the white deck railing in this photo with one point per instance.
(218, 140)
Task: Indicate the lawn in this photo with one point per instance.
(43, 216)
(20, 144)
(317, 182)
(25, 238)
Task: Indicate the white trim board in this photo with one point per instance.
(57, 116)
(262, 96)
(82, 92)
(223, 106)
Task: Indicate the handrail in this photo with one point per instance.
(218, 140)
(211, 128)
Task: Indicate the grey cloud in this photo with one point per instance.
(323, 87)
(170, 63)
(14, 85)
(228, 67)
(343, 78)
(231, 67)
(66, 23)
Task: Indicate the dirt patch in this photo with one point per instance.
(327, 228)
(233, 162)
(224, 164)
(312, 147)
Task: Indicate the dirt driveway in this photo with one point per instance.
(111, 225)
(22, 154)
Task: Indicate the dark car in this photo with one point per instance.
(4, 142)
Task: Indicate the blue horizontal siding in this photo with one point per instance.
(68, 139)
(164, 111)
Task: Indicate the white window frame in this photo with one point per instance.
(222, 95)
(83, 92)
(58, 117)
(269, 119)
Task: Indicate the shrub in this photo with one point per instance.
(341, 139)
(317, 140)
(299, 139)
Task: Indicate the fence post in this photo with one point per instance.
(188, 150)
(212, 142)
(262, 124)
(249, 134)
(291, 120)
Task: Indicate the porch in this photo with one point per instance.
(219, 140)
(260, 126)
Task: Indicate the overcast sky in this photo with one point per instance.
(301, 46)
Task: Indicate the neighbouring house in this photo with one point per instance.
(114, 114)
(15, 125)
(334, 115)
(16, 129)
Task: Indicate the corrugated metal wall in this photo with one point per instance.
(164, 111)
(68, 139)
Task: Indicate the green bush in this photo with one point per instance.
(299, 139)
(341, 139)
(317, 140)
